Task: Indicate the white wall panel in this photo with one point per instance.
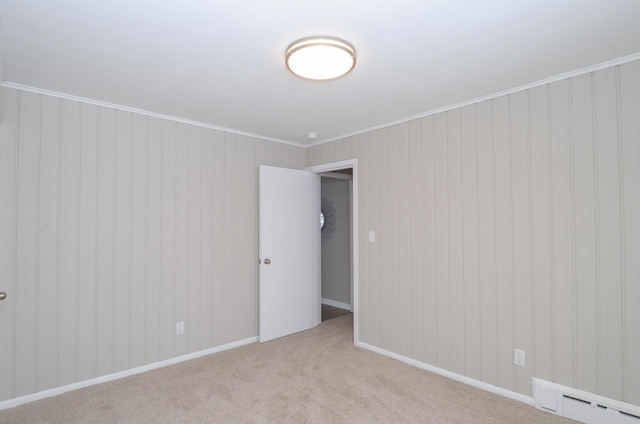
(470, 241)
(528, 220)
(404, 276)
(27, 243)
(138, 304)
(543, 358)
(370, 291)
(562, 230)
(382, 241)
(228, 251)
(428, 241)
(153, 242)
(114, 227)
(629, 92)
(455, 241)
(206, 304)
(392, 297)
(366, 221)
(585, 243)
(105, 257)
(9, 117)
(241, 253)
(122, 241)
(610, 232)
(87, 243)
(195, 233)
(505, 312)
(181, 241)
(167, 242)
(487, 272)
(219, 248)
(49, 243)
(441, 250)
(522, 234)
(67, 248)
(251, 229)
(414, 265)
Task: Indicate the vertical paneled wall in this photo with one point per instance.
(113, 227)
(510, 223)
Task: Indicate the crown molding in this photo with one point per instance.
(123, 108)
(528, 86)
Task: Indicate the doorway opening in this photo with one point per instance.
(340, 175)
(335, 246)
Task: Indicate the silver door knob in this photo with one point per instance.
(3, 295)
(267, 261)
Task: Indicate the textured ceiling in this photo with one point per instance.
(221, 62)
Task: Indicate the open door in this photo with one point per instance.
(288, 234)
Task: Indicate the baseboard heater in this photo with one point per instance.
(582, 406)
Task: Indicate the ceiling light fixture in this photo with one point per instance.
(320, 58)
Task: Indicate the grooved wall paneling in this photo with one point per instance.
(113, 227)
(509, 223)
(517, 228)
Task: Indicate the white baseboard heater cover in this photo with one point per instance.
(582, 406)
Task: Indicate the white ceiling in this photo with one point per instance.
(221, 62)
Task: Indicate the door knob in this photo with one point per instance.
(3, 295)
(267, 261)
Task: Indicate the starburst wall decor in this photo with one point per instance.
(329, 213)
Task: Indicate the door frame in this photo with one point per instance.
(334, 166)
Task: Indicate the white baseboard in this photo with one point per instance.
(457, 377)
(337, 304)
(115, 376)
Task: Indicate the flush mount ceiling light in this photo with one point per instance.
(320, 58)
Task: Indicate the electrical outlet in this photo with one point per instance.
(519, 357)
(179, 328)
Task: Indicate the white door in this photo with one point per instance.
(288, 238)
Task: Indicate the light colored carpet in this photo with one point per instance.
(317, 376)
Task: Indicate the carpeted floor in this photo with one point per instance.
(317, 376)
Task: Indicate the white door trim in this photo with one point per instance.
(353, 164)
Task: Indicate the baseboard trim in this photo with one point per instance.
(337, 304)
(457, 377)
(11, 403)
